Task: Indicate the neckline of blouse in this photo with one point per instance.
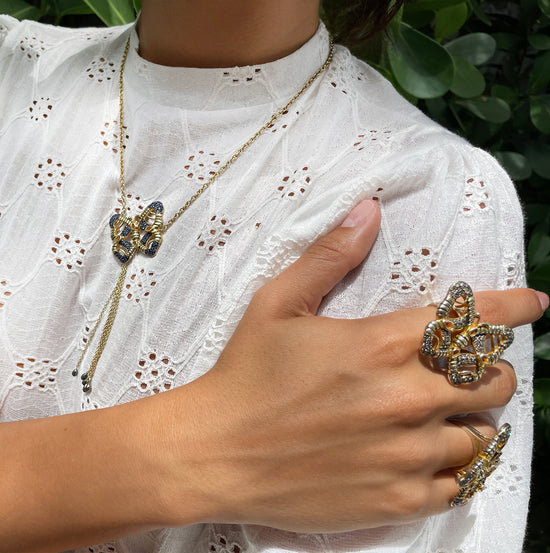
(225, 88)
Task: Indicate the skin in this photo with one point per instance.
(348, 445)
(224, 33)
(350, 442)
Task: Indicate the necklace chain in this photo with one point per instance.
(230, 161)
(146, 231)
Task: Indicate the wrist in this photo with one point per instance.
(180, 434)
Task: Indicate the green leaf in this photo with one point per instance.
(506, 93)
(73, 7)
(19, 9)
(437, 107)
(493, 110)
(468, 82)
(540, 74)
(137, 5)
(515, 164)
(477, 48)
(480, 14)
(421, 66)
(417, 19)
(395, 23)
(538, 155)
(539, 41)
(449, 20)
(542, 385)
(540, 112)
(538, 252)
(544, 6)
(113, 12)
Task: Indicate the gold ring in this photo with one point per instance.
(458, 342)
(471, 478)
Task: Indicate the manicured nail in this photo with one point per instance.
(360, 214)
(544, 300)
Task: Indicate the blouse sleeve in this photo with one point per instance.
(7, 23)
(452, 214)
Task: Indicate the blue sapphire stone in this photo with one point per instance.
(157, 206)
(122, 258)
(125, 231)
(153, 249)
(113, 219)
(125, 244)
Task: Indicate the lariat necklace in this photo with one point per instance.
(144, 233)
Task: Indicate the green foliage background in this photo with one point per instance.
(480, 68)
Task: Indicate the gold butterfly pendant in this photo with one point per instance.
(141, 234)
(457, 337)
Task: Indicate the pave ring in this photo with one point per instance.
(458, 342)
(471, 478)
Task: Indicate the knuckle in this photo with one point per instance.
(266, 299)
(333, 250)
(493, 311)
(409, 499)
(389, 346)
(415, 455)
(505, 384)
(414, 404)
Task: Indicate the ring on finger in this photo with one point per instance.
(471, 478)
(458, 343)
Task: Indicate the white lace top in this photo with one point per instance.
(449, 212)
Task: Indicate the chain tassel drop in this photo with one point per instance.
(144, 233)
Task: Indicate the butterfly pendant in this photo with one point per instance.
(457, 336)
(141, 234)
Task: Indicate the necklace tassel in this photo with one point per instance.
(113, 301)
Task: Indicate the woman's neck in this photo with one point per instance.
(224, 33)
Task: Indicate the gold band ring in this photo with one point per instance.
(458, 342)
(471, 478)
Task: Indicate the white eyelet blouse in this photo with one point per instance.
(449, 213)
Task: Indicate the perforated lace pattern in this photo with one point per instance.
(448, 213)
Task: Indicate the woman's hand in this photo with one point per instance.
(305, 423)
(313, 424)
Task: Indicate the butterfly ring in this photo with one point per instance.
(471, 478)
(458, 342)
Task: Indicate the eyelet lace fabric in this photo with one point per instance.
(449, 213)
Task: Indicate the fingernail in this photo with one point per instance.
(360, 214)
(544, 300)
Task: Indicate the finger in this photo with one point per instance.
(510, 307)
(494, 390)
(299, 289)
(513, 308)
(457, 447)
(445, 486)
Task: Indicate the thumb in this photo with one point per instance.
(299, 289)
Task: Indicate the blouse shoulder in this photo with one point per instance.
(7, 24)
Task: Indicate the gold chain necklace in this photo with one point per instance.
(144, 233)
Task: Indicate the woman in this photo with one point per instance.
(288, 424)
